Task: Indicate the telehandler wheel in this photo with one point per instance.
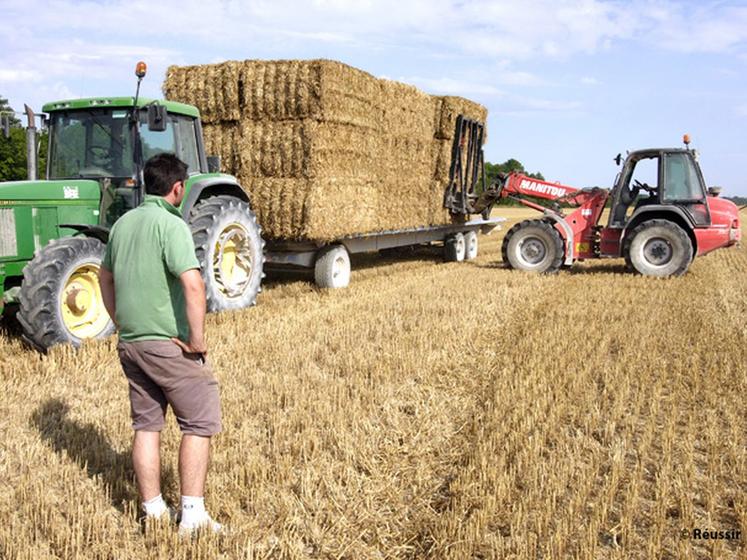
(534, 246)
(229, 247)
(60, 298)
(659, 248)
(332, 267)
(470, 243)
(455, 248)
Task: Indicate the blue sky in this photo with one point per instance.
(568, 84)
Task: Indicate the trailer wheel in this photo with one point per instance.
(332, 267)
(228, 245)
(471, 246)
(60, 298)
(455, 248)
(659, 248)
(533, 246)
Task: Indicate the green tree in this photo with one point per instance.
(13, 149)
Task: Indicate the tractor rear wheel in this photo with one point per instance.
(658, 248)
(60, 298)
(533, 246)
(229, 247)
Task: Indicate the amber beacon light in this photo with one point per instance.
(140, 69)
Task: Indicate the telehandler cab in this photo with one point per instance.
(53, 232)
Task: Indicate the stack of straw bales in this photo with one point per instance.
(325, 150)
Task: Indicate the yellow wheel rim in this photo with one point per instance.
(81, 304)
(232, 260)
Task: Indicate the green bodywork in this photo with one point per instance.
(33, 213)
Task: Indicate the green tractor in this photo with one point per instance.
(53, 232)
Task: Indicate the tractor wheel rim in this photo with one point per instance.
(232, 260)
(81, 305)
(338, 269)
(658, 251)
(532, 250)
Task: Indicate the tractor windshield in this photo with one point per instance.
(90, 143)
(98, 143)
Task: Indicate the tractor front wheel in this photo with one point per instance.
(229, 247)
(533, 246)
(658, 248)
(60, 298)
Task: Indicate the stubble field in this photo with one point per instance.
(430, 410)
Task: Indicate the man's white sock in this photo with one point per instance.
(193, 510)
(155, 507)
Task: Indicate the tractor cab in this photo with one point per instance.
(660, 179)
(107, 140)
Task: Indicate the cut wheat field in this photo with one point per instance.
(430, 410)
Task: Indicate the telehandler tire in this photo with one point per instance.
(60, 298)
(658, 248)
(229, 247)
(533, 246)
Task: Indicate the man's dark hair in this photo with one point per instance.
(161, 172)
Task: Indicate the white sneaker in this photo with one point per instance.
(205, 523)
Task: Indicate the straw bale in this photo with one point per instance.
(450, 108)
(326, 150)
(223, 140)
(319, 209)
(213, 88)
(324, 90)
(307, 149)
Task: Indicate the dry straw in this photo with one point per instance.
(326, 150)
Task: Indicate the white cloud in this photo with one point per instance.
(741, 110)
(589, 81)
(18, 75)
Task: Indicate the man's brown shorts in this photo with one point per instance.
(160, 373)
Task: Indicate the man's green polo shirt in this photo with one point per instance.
(149, 247)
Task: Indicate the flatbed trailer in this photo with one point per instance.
(331, 261)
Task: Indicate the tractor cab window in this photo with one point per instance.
(179, 138)
(681, 179)
(89, 143)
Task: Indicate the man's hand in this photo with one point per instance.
(194, 296)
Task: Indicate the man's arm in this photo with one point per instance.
(106, 283)
(194, 296)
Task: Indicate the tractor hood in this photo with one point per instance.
(723, 211)
(38, 191)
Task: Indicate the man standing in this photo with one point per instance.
(152, 288)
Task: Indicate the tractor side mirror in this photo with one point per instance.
(714, 191)
(157, 118)
(618, 158)
(213, 164)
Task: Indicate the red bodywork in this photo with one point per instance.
(582, 221)
(592, 240)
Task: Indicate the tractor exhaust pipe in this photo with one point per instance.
(31, 161)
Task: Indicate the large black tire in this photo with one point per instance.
(60, 301)
(229, 247)
(658, 248)
(533, 246)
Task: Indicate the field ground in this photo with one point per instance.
(429, 410)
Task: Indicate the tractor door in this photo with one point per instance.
(637, 185)
(684, 186)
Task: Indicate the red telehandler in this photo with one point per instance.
(658, 229)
